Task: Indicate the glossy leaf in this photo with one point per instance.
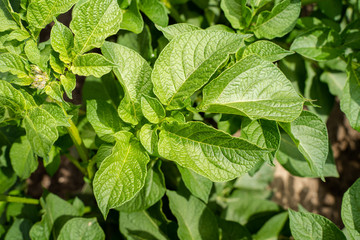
(174, 30)
(81, 228)
(149, 138)
(266, 50)
(207, 151)
(121, 175)
(15, 64)
(350, 210)
(255, 88)
(152, 109)
(91, 64)
(62, 41)
(188, 62)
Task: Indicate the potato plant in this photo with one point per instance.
(170, 85)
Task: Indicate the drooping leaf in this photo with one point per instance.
(15, 64)
(266, 50)
(350, 210)
(134, 77)
(318, 44)
(22, 158)
(81, 228)
(7, 20)
(149, 138)
(152, 109)
(122, 174)
(104, 119)
(174, 30)
(255, 88)
(188, 62)
(41, 12)
(350, 100)
(309, 133)
(92, 29)
(155, 10)
(19, 230)
(209, 152)
(195, 221)
(305, 225)
(237, 13)
(41, 130)
(280, 21)
(62, 41)
(198, 185)
(91, 64)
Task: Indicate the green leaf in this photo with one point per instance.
(57, 113)
(56, 212)
(259, 3)
(238, 14)
(32, 52)
(254, 88)
(68, 81)
(153, 191)
(92, 29)
(22, 158)
(305, 225)
(263, 133)
(132, 19)
(62, 41)
(149, 138)
(188, 62)
(41, 131)
(15, 64)
(351, 34)
(350, 99)
(42, 12)
(152, 109)
(140, 225)
(18, 34)
(280, 21)
(309, 133)
(6, 18)
(195, 221)
(174, 30)
(266, 50)
(7, 179)
(331, 8)
(134, 76)
(336, 82)
(232, 230)
(198, 185)
(318, 44)
(19, 230)
(53, 89)
(272, 228)
(104, 119)
(81, 228)
(155, 10)
(12, 98)
(91, 64)
(209, 152)
(350, 210)
(112, 184)
(56, 64)
(294, 161)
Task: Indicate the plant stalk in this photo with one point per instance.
(5, 198)
(75, 136)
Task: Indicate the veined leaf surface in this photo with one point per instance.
(62, 41)
(91, 64)
(350, 210)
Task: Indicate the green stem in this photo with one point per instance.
(76, 164)
(79, 144)
(91, 169)
(5, 198)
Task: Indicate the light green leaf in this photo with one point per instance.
(195, 220)
(104, 119)
(305, 225)
(13, 63)
(132, 19)
(309, 133)
(198, 185)
(237, 13)
(155, 10)
(53, 89)
(18, 34)
(91, 64)
(22, 158)
(121, 175)
(149, 138)
(41, 131)
(19, 230)
(272, 228)
(188, 62)
(350, 99)
(41, 12)
(263, 133)
(294, 161)
(92, 29)
(56, 64)
(350, 210)
(336, 82)
(152, 109)
(318, 44)
(134, 77)
(209, 152)
(6, 19)
(57, 113)
(266, 50)
(81, 228)
(12, 98)
(174, 30)
(32, 52)
(62, 41)
(52, 220)
(153, 191)
(68, 81)
(280, 21)
(255, 88)
(259, 3)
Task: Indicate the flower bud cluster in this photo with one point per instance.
(40, 78)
